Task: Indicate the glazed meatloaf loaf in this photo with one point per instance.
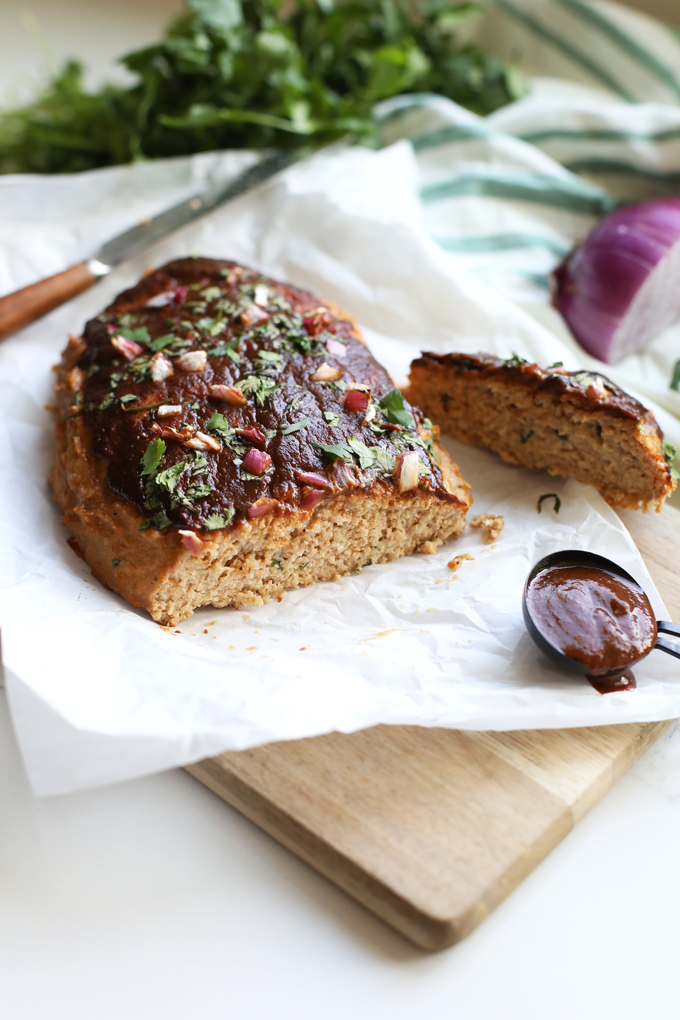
(577, 424)
(222, 438)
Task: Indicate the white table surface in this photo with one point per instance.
(154, 899)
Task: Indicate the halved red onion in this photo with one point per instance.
(256, 462)
(356, 400)
(619, 289)
(406, 468)
(262, 506)
(229, 394)
(128, 348)
(313, 479)
(310, 497)
(161, 367)
(253, 434)
(192, 542)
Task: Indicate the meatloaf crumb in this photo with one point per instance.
(577, 424)
(223, 438)
(490, 525)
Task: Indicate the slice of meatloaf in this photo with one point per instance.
(577, 424)
(222, 438)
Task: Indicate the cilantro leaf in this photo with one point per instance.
(295, 427)
(168, 479)
(216, 521)
(394, 409)
(332, 418)
(138, 336)
(549, 495)
(256, 74)
(152, 456)
(161, 341)
(219, 424)
(366, 456)
(339, 451)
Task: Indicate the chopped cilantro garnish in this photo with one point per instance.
(516, 360)
(168, 479)
(114, 563)
(366, 456)
(127, 398)
(216, 521)
(559, 435)
(526, 435)
(276, 563)
(338, 451)
(549, 495)
(152, 456)
(427, 424)
(106, 402)
(226, 348)
(211, 293)
(332, 418)
(261, 388)
(675, 378)
(271, 356)
(670, 453)
(159, 521)
(138, 336)
(394, 409)
(295, 427)
(162, 341)
(219, 424)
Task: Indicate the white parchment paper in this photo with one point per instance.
(100, 693)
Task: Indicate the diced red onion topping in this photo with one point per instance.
(159, 301)
(335, 348)
(253, 434)
(192, 542)
(315, 322)
(192, 361)
(181, 295)
(166, 410)
(311, 497)
(619, 289)
(326, 373)
(201, 441)
(261, 295)
(262, 506)
(128, 348)
(254, 316)
(161, 368)
(344, 476)
(168, 432)
(313, 479)
(356, 400)
(256, 462)
(229, 394)
(406, 468)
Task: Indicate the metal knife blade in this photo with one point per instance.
(131, 242)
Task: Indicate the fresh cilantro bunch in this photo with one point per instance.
(254, 74)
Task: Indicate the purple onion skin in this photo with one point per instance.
(595, 285)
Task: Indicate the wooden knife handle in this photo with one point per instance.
(29, 303)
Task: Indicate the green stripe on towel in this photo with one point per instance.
(561, 44)
(501, 242)
(551, 191)
(599, 135)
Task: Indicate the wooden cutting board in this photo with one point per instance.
(432, 828)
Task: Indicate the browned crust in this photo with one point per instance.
(574, 424)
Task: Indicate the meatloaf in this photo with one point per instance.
(577, 424)
(222, 438)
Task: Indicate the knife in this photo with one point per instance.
(29, 303)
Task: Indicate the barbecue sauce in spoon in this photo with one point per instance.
(596, 617)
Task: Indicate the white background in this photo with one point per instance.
(154, 899)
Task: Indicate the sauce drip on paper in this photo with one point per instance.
(595, 617)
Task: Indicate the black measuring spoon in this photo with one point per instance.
(588, 614)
